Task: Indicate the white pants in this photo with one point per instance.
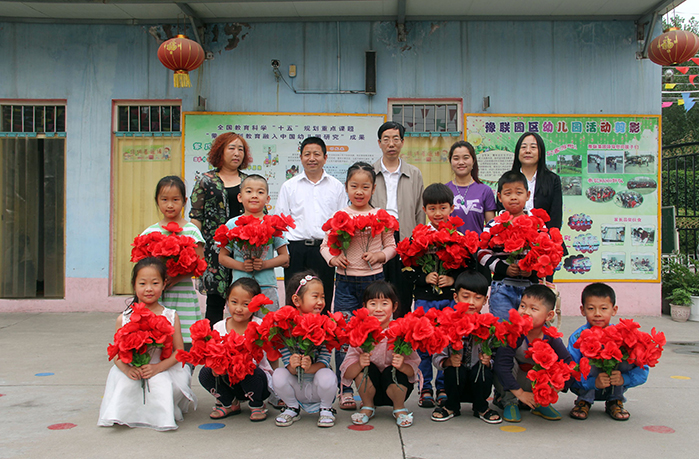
(318, 389)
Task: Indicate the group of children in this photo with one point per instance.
(381, 377)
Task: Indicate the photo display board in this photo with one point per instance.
(274, 140)
(610, 180)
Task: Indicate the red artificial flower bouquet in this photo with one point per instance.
(526, 238)
(341, 228)
(549, 374)
(252, 234)
(624, 342)
(416, 331)
(364, 331)
(225, 355)
(438, 250)
(302, 334)
(179, 251)
(144, 331)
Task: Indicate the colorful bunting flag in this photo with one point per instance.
(680, 102)
(667, 104)
(688, 101)
(670, 85)
(691, 78)
(695, 60)
(682, 69)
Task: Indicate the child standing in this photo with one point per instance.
(362, 263)
(254, 195)
(598, 307)
(169, 392)
(179, 294)
(474, 382)
(378, 389)
(254, 387)
(317, 392)
(431, 290)
(509, 281)
(511, 365)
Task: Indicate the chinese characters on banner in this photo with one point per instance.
(609, 175)
(274, 142)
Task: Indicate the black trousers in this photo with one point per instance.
(303, 257)
(393, 273)
(473, 387)
(382, 379)
(253, 388)
(215, 304)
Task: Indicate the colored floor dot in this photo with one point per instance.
(44, 374)
(680, 377)
(2, 395)
(360, 428)
(212, 426)
(62, 426)
(659, 429)
(357, 398)
(513, 429)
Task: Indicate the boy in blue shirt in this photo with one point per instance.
(599, 306)
(431, 290)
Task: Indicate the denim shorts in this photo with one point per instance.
(349, 291)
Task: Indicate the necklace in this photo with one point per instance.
(464, 193)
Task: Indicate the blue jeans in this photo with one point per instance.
(425, 358)
(504, 297)
(610, 393)
(349, 291)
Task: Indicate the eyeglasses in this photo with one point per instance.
(387, 140)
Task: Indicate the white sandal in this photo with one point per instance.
(287, 417)
(327, 417)
(360, 418)
(403, 418)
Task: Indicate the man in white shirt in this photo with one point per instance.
(399, 190)
(311, 198)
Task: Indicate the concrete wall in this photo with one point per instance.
(525, 67)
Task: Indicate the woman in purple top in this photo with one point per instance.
(474, 202)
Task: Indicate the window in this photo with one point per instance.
(38, 118)
(148, 118)
(427, 116)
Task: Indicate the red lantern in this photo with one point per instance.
(673, 47)
(181, 55)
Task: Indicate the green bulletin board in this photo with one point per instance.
(609, 175)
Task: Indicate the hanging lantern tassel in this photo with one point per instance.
(181, 55)
(182, 79)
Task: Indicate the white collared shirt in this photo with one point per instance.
(310, 204)
(391, 179)
(532, 187)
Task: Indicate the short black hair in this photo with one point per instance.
(512, 177)
(254, 177)
(313, 141)
(541, 293)
(294, 286)
(600, 290)
(380, 289)
(437, 193)
(248, 284)
(472, 281)
(392, 125)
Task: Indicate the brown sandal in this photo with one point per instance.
(222, 412)
(258, 414)
(615, 410)
(580, 411)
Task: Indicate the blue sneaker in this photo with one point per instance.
(547, 412)
(511, 413)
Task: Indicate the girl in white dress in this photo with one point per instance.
(168, 391)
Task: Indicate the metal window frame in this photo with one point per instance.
(33, 103)
(140, 104)
(435, 103)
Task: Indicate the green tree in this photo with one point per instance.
(680, 125)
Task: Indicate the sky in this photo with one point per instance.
(688, 9)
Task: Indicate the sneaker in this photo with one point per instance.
(327, 417)
(287, 417)
(511, 413)
(547, 412)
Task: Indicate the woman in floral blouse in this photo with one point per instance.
(214, 202)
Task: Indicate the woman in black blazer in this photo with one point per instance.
(530, 159)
